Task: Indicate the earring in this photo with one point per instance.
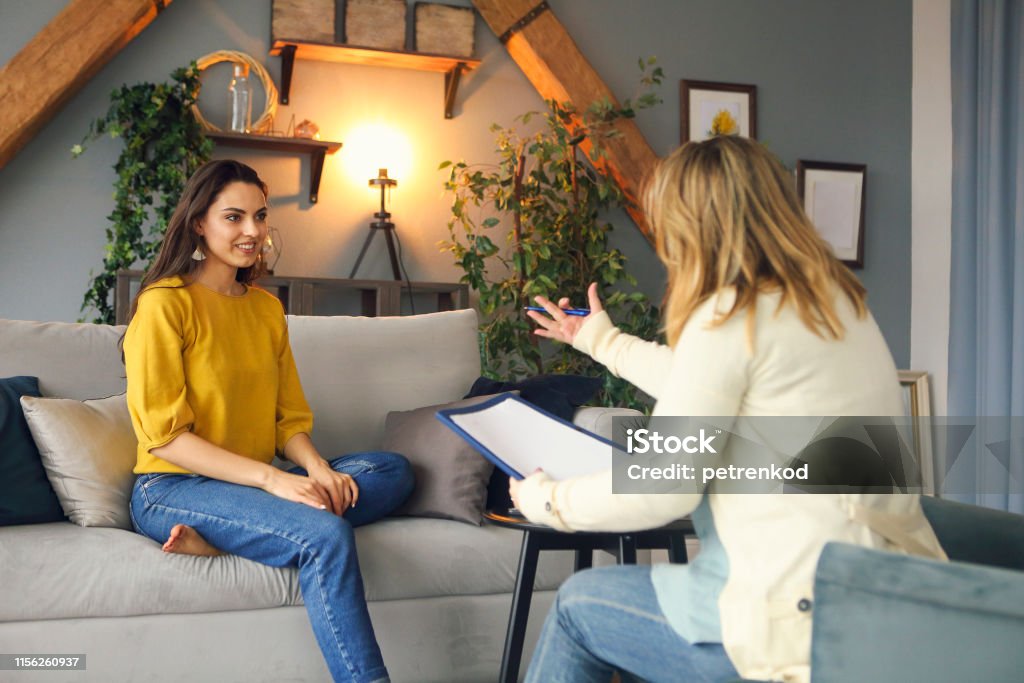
(198, 255)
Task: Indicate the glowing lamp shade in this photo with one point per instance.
(373, 146)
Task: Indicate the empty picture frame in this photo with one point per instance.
(833, 198)
(707, 108)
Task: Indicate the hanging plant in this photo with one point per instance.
(163, 147)
(536, 223)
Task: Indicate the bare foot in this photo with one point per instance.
(185, 540)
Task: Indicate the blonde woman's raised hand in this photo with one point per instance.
(561, 326)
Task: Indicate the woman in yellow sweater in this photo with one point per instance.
(761, 320)
(214, 394)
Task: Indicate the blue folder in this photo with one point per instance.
(534, 421)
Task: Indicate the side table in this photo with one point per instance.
(537, 537)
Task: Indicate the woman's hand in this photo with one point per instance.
(342, 488)
(513, 488)
(299, 489)
(513, 491)
(560, 326)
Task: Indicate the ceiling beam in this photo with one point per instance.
(60, 59)
(546, 53)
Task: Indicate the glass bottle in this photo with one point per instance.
(240, 96)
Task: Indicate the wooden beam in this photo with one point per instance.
(60, 59)
(546, 53)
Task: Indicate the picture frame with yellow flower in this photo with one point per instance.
(708, 108)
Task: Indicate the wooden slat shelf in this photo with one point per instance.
(298, 294)
(451, 67)
(317, 150)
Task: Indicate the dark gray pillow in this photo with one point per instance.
(451, 476)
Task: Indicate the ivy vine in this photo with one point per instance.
(163, 146)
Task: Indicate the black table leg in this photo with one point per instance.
(627, 549)
(584, 560)
(520, 613)
(677, 547)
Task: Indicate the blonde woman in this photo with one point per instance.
(761, 320)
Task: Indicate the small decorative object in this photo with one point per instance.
(833, 196)
(375, 23)
(240, 100)
(305, 20)
(265, 122)
(307, 129)
(443, 29)
(272, 249)
(707, 109)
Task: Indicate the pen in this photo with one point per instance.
(567, 311)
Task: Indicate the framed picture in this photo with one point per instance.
(833, 197)
(707, 108)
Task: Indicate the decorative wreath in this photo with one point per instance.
(265, 123)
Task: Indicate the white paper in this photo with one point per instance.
(527, 440)
(835, 211)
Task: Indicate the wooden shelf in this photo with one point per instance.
(317, 150)
(451, 67)
(298, 294)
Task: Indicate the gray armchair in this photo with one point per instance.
(886, 617)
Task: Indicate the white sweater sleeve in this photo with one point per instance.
(706, 374)
(642, 363)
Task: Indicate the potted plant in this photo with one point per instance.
(536, 223)
(163, 147)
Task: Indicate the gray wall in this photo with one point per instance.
(833, 77)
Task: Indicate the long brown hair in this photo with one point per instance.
(181, 238)
(725, 213)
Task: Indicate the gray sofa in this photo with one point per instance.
(439, 591)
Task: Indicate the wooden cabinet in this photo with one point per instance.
(332, 296)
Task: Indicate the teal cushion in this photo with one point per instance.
(26, 496)
(969, 533)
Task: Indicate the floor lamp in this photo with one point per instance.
(382, 223)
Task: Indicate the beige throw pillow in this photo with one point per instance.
(88, 451)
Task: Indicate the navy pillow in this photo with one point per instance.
(26, 496)
(560, 395)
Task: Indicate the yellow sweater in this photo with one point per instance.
(217, 365)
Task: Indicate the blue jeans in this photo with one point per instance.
(256, 525)
(608, 619)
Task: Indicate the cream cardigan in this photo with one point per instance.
(772, 541)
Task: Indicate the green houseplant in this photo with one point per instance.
(163, 146)
(536, 223)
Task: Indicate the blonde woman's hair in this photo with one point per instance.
(725, 213)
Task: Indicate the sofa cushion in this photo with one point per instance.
(451, 476)
(26, 496)
(356, 370)
(71, 360)
(59, 570)
(88, 449)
